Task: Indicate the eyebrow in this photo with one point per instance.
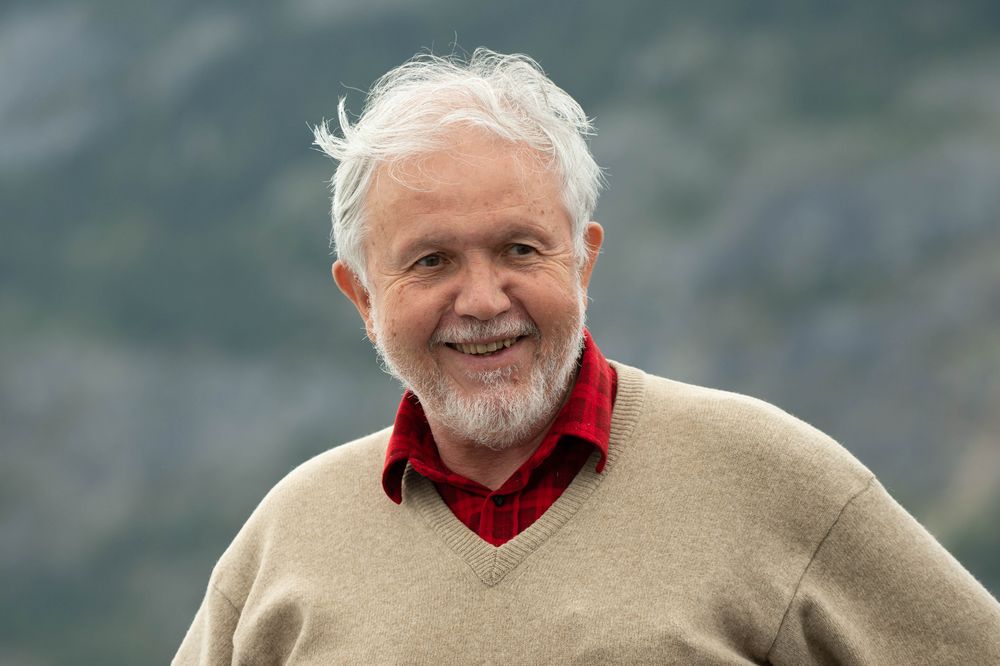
(518, 229)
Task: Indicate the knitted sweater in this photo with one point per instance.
(722, 530)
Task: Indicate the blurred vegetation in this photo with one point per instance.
(803, 205)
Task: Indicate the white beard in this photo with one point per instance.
(504, 412)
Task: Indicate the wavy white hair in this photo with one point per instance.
(411, 109)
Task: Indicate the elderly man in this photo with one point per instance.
(534, 502)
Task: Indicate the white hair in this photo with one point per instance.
(412, 108)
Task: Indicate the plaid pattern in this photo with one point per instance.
(583, 424)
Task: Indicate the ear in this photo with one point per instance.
(350, 284)
(594, 236)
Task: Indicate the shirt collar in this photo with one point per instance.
(586, 415)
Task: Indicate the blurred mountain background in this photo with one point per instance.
(803, 205)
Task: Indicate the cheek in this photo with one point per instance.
(409, 321)
(552, 299)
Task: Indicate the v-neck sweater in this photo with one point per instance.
(722, 530)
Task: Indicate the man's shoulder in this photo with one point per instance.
(328, 484)
(347, 468)
(307, 510)
(746, 432)
(361, 451)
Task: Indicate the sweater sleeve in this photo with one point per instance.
(210, 638)
(881, 590)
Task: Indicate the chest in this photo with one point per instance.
(427, 605)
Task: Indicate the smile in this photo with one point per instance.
(478, 349)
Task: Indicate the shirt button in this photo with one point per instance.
(498, 500)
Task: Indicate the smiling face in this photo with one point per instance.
(476, 298)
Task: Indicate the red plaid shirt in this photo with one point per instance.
(582, 425)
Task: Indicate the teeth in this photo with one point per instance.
(488, 348)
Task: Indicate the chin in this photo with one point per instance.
(502, 412)
(497, 422)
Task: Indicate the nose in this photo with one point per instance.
(481, 292)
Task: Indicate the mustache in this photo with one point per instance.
(471, 331)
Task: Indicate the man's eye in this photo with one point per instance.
(521, 250)
(430, 261)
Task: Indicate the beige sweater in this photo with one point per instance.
(721, 531)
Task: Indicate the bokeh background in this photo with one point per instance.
(803, 205)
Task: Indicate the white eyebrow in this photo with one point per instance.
(518, 229)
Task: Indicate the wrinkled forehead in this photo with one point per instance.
(470, 168)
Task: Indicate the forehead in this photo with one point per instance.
(476, 174)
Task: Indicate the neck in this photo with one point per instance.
(488, 467)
